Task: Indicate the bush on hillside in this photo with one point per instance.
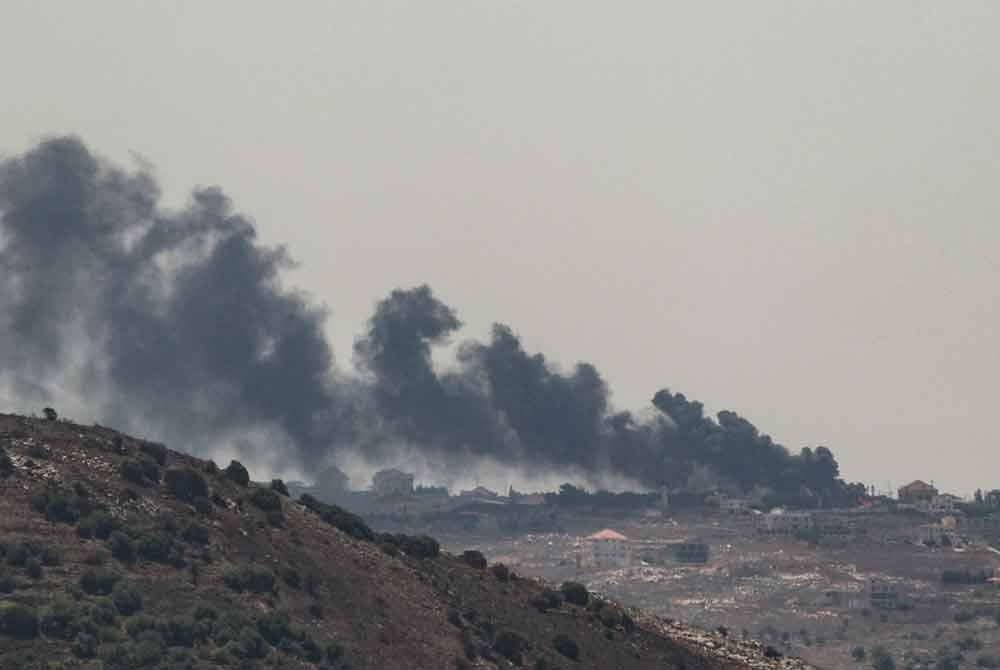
(237, 473)
(18, 621)
(249, 578)
(566, 646)
(266, 499)
(121, 547)
(202, 505)
(501, 572)
(195, 534)
(157, 452)
(126, 598)
(186, 484)
(510, 645)
(417, 546)
(97, 524)
(141, 471)
(546, 600)
(95, 581)
(575, 593)
(61, 619)
(339, 518)
(279, 487)
(474, 559)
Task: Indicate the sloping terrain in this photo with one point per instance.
(119, 553)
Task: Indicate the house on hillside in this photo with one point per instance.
(392, 482)
(917, 492)
(608, 549)
(943, 504)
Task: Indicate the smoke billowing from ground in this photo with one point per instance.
(176, 322)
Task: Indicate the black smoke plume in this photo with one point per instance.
(174, 319)
(177, 322)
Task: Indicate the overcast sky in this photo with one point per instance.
(788, 209)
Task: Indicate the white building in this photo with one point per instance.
(392, 482)
(609, 549)
(935, 533)
(942, 504)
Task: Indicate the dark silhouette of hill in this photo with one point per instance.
(120, 553)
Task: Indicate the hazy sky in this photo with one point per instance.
(789, 209)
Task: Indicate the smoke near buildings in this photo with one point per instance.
(178, 323)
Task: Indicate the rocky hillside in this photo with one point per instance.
(118, 553)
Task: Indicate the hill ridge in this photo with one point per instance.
(120, 553)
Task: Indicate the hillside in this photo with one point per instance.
(119, 553)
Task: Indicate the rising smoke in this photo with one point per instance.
(177, 323)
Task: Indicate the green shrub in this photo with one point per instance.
(34, 568)
(98, 582)
(546, 600)
(61, 619)
(291, 577)
(417, 546)
(7, 583)
(278, 486)
(474, 559)
(566, 646)
(249, 578)
(339, 518)
(84, 646)
(157, 547)
(237, 473)
(195, 534)
(103, 612)
(126, 598)
(96, 558)
(180, 631)
(265, 499)
(275, 627)
(575, 593)
(97, 524)
(18, 554)
(157, 452)
(134, 471)
(18, 621)
(185, 484)
(50, 556)
(150, 469)
(64, 508)
(334, 652)
(202, 505)
(205, 613)
(121, 547)
(38, 452)
(510, 645)
(140, 624)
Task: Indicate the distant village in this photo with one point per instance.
(394, 501)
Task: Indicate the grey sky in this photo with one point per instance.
(788, 209)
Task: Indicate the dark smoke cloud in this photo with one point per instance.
(177, 322)
(180, 316)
